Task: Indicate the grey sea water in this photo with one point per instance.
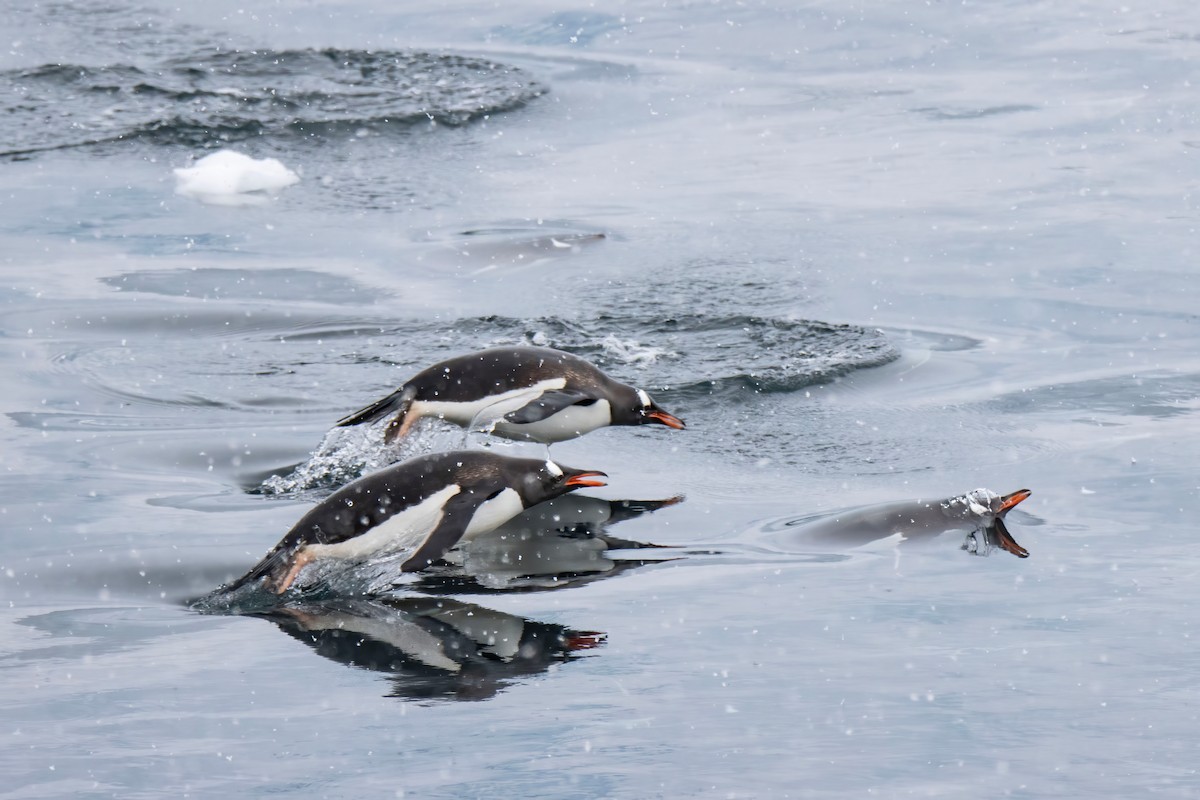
(869, 254)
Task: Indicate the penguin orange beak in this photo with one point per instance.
(586, 478)
(1005, 539)
(1011, 500)
(583, 640)
(663, 418)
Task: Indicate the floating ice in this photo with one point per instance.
(228, 178)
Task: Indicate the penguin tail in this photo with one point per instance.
(398, 402)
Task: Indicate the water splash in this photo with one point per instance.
(347, 454)
(631, 352)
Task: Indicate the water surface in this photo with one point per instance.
(868, 256)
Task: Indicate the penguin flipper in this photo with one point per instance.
(546, 405)
(450, 528)
(398, 401)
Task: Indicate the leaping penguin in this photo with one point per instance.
(424, 505)
(526, 393)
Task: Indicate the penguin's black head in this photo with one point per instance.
(551, 480)
(639, 409)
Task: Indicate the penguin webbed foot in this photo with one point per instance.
(280, 585)
(399, 427)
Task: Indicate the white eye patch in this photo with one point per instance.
(554, 469)
(645, 398)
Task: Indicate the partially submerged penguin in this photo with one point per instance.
(526, 393)
(980, 511)
(423, 506)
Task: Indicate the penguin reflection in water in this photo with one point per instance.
(559, 543)
(525, 393)
(979, 514)
(433, 647)
(421, 507)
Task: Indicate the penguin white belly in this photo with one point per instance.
(493, 513)
(486, 410)
(572, 421)
(403, 531)
(494, 631)
(400, 632)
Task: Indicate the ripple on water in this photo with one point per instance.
(220, 96)
(209, 283)
(687, 357)
(696, 353)
(255, 367)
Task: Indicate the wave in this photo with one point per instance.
(215, 97)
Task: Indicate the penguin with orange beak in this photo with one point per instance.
(525, 393)
(979, 514)
(422, 508)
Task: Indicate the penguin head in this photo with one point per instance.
(989, 509)
(983, 504)
(636, 408)
(549, 480)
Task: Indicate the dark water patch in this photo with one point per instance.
(134, 324)
(81, 633)
(215, 97)
(937, 341)
(144, 577)
(508, 249)
(209, 283)
(954, 114)
(1108, 400)
(564, 28)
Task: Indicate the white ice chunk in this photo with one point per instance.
(228, 178)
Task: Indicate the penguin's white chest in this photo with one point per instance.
(402, 531)
(495, 512)
(487, 414)
(572, 421)
(408, 529)
(485, 410)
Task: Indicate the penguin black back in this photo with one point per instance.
(441, 492)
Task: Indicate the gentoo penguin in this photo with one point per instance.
(526, 393)
(980, 510)
(423, 506)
